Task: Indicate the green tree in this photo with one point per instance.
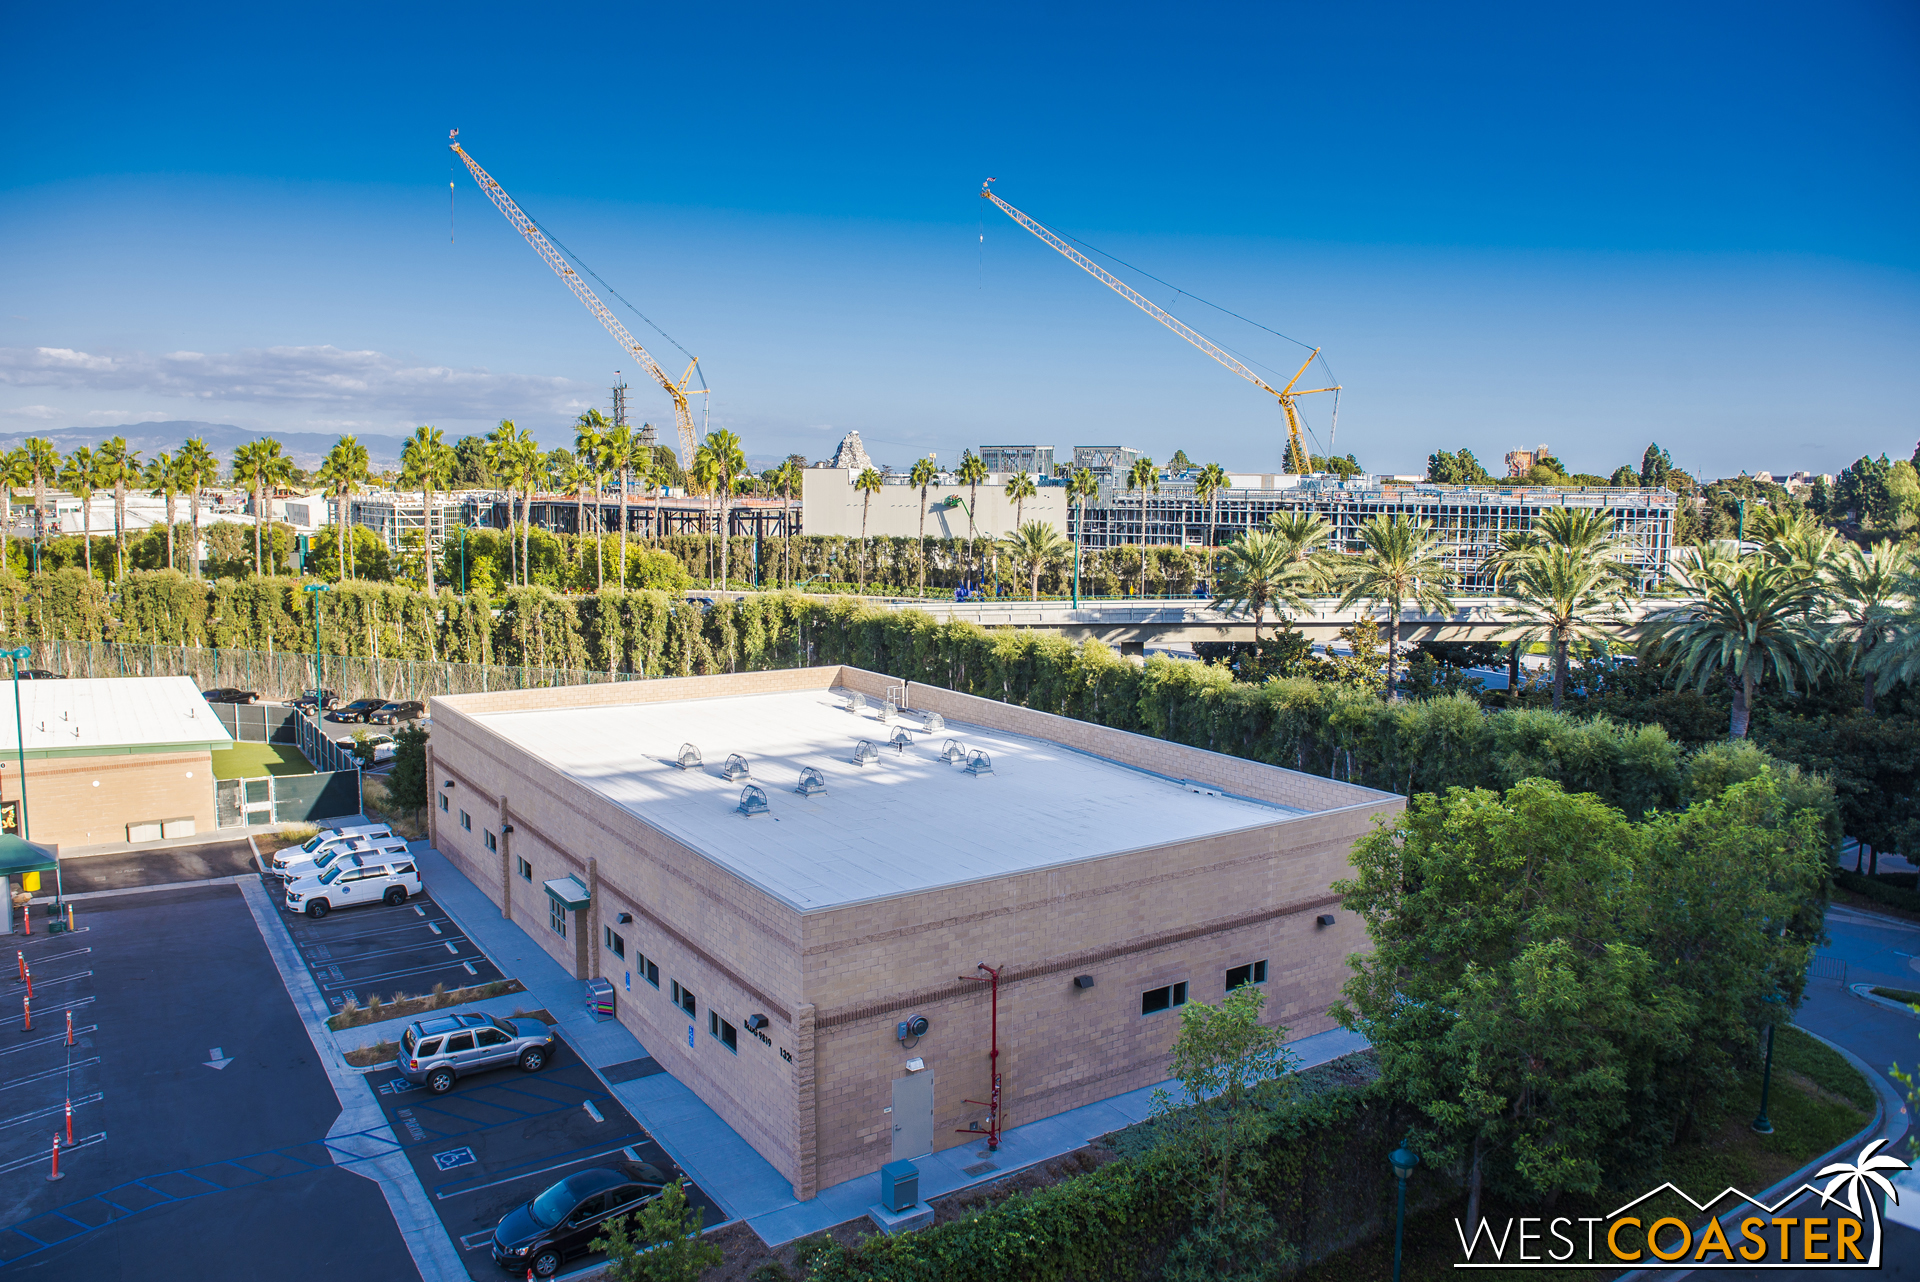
(15, 471)
(407, 781)
(589, 449)
(1624, 476)
(1144, 477)
(868, 483)
(343, 472)
(727, 462)
(1898, 658)
(1206, 487)
(262, 467)
(1460, 468)
(1655, 463)
(788, 479)
(1036, 545)
(472, 470)
(427, 462)
(162, 480)
(620, 450)
(922, 476)
(80, 477)
(198, 469)
(1743, 618)
(1221, 1055)
(43, 466)
(515, 458)
(1568, 583)
(972, 474)
(1179, 462)
(119, 467)
(1862, 492)
(1400, 560)
(1275, 568)
(660, 1243)
(1865, 589)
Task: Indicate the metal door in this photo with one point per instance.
(258, 803)
(913, 1115)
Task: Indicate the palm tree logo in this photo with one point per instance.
(1860, 1173)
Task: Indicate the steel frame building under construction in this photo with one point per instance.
(1470, 519)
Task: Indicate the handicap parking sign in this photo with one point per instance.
(453, 1157)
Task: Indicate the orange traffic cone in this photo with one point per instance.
(56, 1162)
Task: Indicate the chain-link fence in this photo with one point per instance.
(281, 675)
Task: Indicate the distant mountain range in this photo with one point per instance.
(305, 448)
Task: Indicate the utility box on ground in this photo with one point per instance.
(600, 998)
(899, 1186)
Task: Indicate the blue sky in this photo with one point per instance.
(1693, 225)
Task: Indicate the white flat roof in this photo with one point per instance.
(905, 823)
(80, 714)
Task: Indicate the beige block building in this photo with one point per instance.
(776, 962)
(110, 760)
(830, 505)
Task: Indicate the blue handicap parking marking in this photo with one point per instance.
(454, 1157)
(397, 1086)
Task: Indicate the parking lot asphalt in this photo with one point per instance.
(406, 948)
(199, 1108)
(158, 867)
(498, 1138)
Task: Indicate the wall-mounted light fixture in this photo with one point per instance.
(756, 1022)
(1083, 981)
(506, 827)
(626, 919)
(1325, 919)
(447, 784)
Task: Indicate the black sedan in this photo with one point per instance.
(41, 674)
(228, 694)
(563, 1221)
(392, 714)
(358, 710)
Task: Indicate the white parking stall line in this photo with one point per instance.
(392, 974)
(79, 1030)
(63, 979)
(527, 1175)
(71, 952)
(474, 1241)
(51, 1072)
(55, 1010)
(38, 1159)
(54, 1111)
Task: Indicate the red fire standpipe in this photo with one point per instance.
(992, 1104)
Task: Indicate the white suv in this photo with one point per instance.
(302, 866)
(386, 876)
(313, 847)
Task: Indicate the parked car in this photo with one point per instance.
(434, 1052)
(41, 674)
(380, 745)
(358, 710)
(386, 876)
(320, 850)
(322, 699)
(228, 694)
(564, 1220)
(392, 714)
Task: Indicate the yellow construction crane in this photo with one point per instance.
(1284, 395)
(682, 416)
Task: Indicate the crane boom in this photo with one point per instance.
(1284, 395)
(682, 416)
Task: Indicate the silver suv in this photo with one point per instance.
(433, 1052)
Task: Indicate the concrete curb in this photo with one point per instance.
(434, 1253)
(1866, 994)
(1890, 1120)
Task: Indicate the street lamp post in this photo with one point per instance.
(318, 698)
(1403, 1160)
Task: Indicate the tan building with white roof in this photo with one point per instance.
(769, 960)
(110, 760)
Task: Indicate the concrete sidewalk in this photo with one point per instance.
(744, 1184)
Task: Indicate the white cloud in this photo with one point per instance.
(370, 383)
(33, 411)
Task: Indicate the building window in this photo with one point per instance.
(684, 999)
(647, 969)
(720, 1028)
(557, 916)
(526, 869)
(466, 821)
(615, 945)
(443, 801)
(492, 844)
(1155, 1000)
(1241, 976)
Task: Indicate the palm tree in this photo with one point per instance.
(1036, 545)
(162, 479)
(1743, 617)
(261, 466)
(589, 445)
(657, 479)
(1145, 477)
(619, 450)
(197, 468)
(787, 476)
(922, 475)
(119, 467)
(343, 471)
(726, 461)
(506, 446)
(1798, 540)
(1568, 580)
(868, 483)
(1865, 585)
(43, 463)
(1206, 487)
(1260, 571)
(426, 461)
(14, 471)
(576, 477)
(1081, 486)
(972, 473)
(80, 477)
(1020, 488)
(1400, 561)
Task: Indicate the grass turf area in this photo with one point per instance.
(1812, 1108)
(1898, 995)
(252, 760)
